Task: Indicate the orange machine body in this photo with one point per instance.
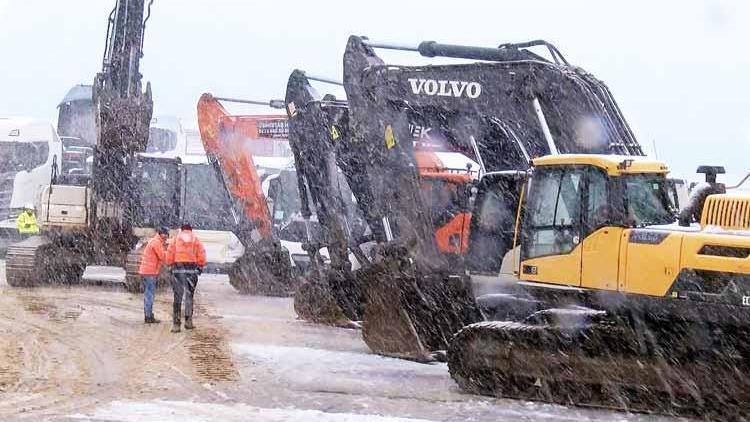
(452, 237)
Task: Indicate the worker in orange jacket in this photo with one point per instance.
(154, 255)
(187, 257)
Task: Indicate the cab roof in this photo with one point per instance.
(613, 164)
(26, 129)
(79, 92)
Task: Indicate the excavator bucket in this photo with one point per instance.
(414, 316)
(263, 269)
(328, 301)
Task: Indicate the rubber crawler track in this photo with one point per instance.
(594, 366)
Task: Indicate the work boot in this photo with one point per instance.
(189, 323)
(175, 327)
(151, 320)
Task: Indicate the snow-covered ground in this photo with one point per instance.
(181, 411)
(83, 353)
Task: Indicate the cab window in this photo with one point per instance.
(554, 212)
(647, 200)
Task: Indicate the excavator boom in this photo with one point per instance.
(122, 110)
(265, 267)
(225, 139)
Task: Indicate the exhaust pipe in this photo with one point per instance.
(694, 208)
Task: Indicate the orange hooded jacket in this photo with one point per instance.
(186, 248)
(153, 256)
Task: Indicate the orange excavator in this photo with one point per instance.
(265, 267)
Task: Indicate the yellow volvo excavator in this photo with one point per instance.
(613, 302)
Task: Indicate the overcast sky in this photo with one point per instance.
(678, 69)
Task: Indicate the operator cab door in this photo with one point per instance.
(567, 236)
(601, 239)
(552, 226)
(494, 220)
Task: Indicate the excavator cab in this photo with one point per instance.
(577, 208)
(448, 196)
(614, 303)
(156, 188)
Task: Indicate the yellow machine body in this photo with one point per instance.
(710, 261)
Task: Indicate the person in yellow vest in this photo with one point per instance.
(26, 222)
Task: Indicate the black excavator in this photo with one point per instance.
(318, 125)
(99, 221)
(512, 106)
(330, 184)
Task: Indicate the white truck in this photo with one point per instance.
(30, 156)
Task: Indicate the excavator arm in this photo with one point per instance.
(317, 132)
(122, 110)
(265, 267)
(549, 106)
(224, 137)
(122, 113)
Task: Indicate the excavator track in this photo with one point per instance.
(21, 259)
(39, 261)
(599, 365)
(133, 282)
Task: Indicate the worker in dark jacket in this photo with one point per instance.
(187, 256)
(154, 255)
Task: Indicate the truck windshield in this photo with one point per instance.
(647, 200)
(22, 156)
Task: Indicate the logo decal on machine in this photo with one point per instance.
(456, 89)
(648, 237)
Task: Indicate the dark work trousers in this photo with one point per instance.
(184, 282)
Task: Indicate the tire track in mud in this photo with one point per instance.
(209, 350)
(11, 360)
(66, 365)
(66, 350)
(39, 305)
(43, 357)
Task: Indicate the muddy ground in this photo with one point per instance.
(83, 353)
